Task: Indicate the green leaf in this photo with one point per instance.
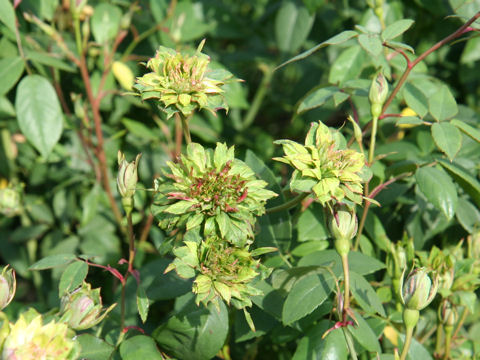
(364, 334)
(415, 99)
(196, 333)
(93, 348)
(371, 43)
(52, 261)
(139, 347)
(334, 40)
(292, 26)
(347, 66)
(311, 224)
(105, 22)
(471, 51)
(39, 114)
(306, 295)
(10, 71)
(7, 15)
(314, 347)
(468, 215)
(396, 29)
(275, 228)
(90, 204)
(464, 179)
(448, 138)
(358, 262)
(72, 277)
(365, 295)
(316, 98)
(179, 207)
(442, 104)
(46, 59)
(438, 188)
(467, 129)
(139, 129)
(309, 247)
(142, 303)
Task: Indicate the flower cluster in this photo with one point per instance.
(183, 83)
(29, 339)
(223, 271)
(322, 167)
(211, 190)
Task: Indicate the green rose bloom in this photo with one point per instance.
(183, 83)
(211, 190)
(322, 167)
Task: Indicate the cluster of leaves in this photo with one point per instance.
(64, 114)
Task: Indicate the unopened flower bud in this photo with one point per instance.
(378, 94)
(418, 290)
(127, 175)
(342, 224)
(10, 201)
(447, 313)
(8, 285)
(82, 308)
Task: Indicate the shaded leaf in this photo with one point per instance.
(306, 295)
(292, 26)
(438, 188)
(447, 138)
(442, 104)
(334, 40)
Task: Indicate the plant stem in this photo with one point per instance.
(408, 341)
(371, 150)
(259, 96)
(448, 341)
(287, 205)
(439, 339)
(460, 322)
(122, 307)
(410, 65)
(100, 151)
(131, 242)
(185, 127)
(346, 283)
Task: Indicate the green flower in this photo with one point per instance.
(82, 308)
(222, 271)
(211, 190)
(183, 83)
(29, 339)
(322, 167)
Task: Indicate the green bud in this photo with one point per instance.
(378, 94)
(447, 313)
(127, 175)
(418, 290)
(8, 285)
(342, 222)
(82, 308)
